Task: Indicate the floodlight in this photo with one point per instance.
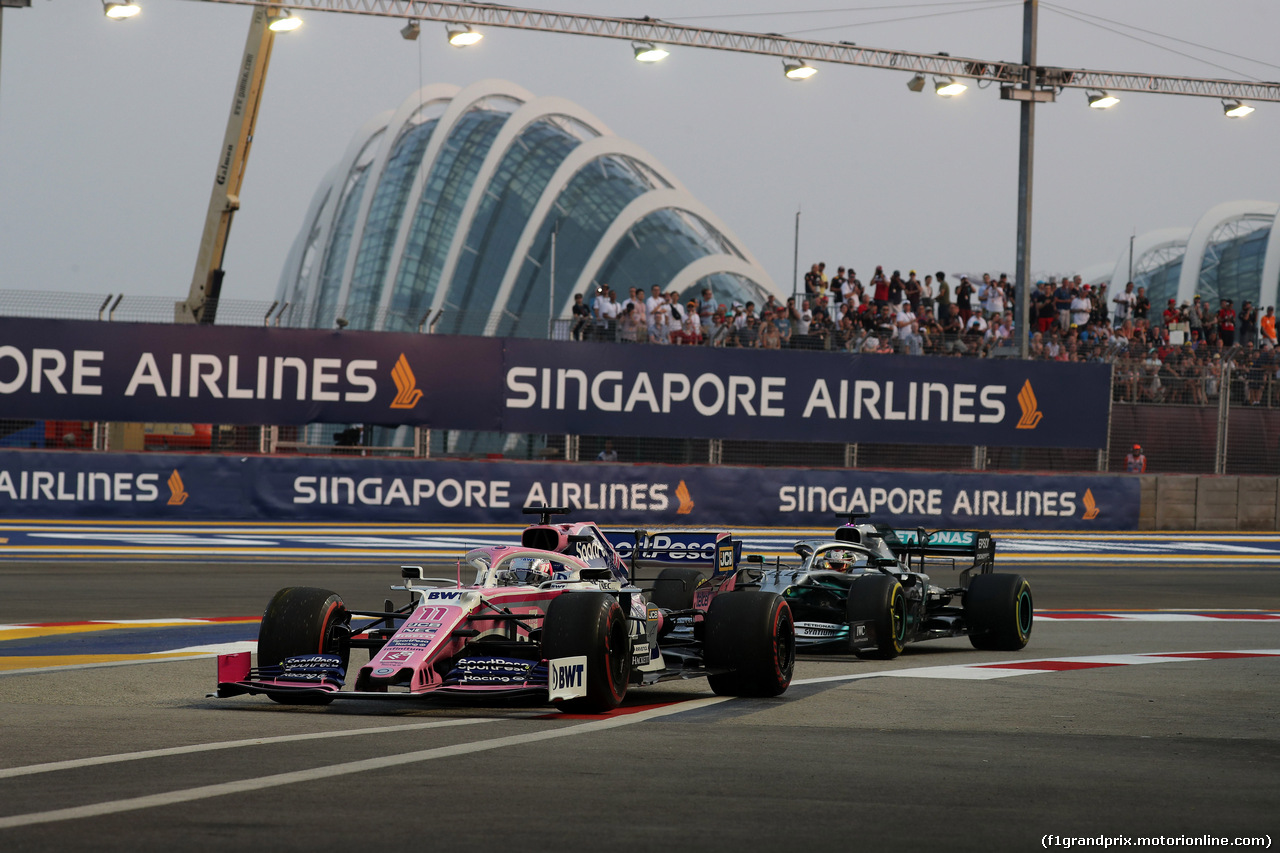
(916, 83)
(798, 70)
(283, 21)
(409, 32)
(646, 52)
(463, 37)
(947, 88)
(120, 11)
(1236, 109)
(1102, 100)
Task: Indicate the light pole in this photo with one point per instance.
(17, 4)
(1028, 93)
(551, 295)
(795, 261)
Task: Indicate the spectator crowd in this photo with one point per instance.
(1171, 353)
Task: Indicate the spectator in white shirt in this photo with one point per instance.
(902, 322)
(995, 299)
(651, 304)
(1124, 304)
(977, 324)
(1081, 308)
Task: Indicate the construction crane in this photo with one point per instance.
(1024, 82)
(201, 304)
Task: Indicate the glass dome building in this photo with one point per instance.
(1232, 252)
(486, 208)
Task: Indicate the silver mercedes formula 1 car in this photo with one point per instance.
(865, 589)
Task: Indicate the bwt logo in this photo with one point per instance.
(443, 596)
(568, 677)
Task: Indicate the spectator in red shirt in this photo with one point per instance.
(879, 288)
(1226, 322)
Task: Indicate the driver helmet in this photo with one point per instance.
(839, 561)
(539, 570)
(530, 570)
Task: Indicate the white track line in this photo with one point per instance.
(205, 792)
(991, 669)
(73, 763)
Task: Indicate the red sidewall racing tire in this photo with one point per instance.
(591, 624)
(751, 634)
(998, 611)
(302, 620)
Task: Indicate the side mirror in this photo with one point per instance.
(411, 572)
(755, 558)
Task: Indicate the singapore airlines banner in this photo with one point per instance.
(59, 484)
(76, 370)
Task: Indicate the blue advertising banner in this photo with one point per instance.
(141, 372)
(58, 485)
(769, 395)
(75, 370)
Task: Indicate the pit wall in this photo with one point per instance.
(1185, 502)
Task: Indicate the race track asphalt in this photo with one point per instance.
(862, 755)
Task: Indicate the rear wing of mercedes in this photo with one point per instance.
(970, 547)
(715, 552)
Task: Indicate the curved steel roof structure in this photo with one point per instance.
(1232, 251)
(1209, 232)
(453, 201)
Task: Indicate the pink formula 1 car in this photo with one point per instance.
(556, 618)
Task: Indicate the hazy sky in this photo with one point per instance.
(109, 131)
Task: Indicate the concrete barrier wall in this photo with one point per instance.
(1189, 502)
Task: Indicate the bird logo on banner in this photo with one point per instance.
(1031, 413)
(686, 499)
(177, 491)
(1091, 509)
(407, 391)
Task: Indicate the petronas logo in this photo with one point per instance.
(407, 391)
